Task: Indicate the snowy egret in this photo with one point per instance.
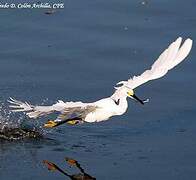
(116, 104)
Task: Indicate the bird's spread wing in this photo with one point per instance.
(168, 59)
(72, 115)
(79, 112)
(36, 111)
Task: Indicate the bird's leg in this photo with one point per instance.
(50, 124)
(73, 122)
(54, 123)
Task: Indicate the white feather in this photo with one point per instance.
(117, 103)
(168, 59)
(37, 111)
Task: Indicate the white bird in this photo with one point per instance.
(74, 112)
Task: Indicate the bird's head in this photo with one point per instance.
(131, 94)
(124, 92)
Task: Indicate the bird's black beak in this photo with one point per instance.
(136, 98)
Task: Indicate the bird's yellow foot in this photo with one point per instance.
(72, 122)
(50, 124)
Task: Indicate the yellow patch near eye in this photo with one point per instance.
(130, 93)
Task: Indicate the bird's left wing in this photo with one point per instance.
(36, 111)
(168, 59)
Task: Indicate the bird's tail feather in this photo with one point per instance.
(19, 106)
(30, 110)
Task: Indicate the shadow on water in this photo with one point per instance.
(82, 175)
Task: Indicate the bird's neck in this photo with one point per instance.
(121, 104)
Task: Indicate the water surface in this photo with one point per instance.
(80, 53)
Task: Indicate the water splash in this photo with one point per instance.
(12, 127)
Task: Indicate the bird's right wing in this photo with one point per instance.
(36, 111)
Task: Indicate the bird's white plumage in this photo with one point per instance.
(117, 103)
(37, 111)
(168, 59)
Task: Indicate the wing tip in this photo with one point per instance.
(189, 41)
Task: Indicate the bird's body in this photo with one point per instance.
(114, 105)
(97, 111)
(106, 108)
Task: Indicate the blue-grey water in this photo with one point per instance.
(79, 53)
